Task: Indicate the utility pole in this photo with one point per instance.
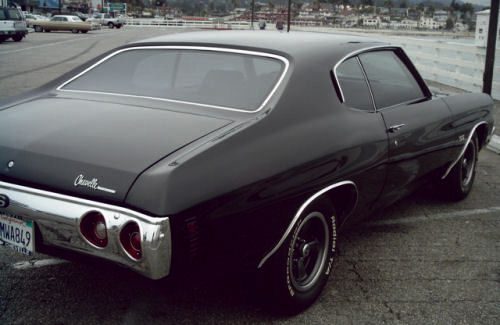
(253, 10)
(289, 10)
(491, 47)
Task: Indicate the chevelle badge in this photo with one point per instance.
(92, 184)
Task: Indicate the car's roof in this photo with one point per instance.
(67, 16)
(293, 43)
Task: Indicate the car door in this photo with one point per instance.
(367, 138)
(56, 23)
(415, 122)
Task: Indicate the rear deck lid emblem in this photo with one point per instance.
(92, 184)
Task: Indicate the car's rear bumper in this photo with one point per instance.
(58, 217)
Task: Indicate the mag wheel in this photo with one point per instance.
(298, 272)
(459, 182)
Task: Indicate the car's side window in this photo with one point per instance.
(390, 80)
(353, 85)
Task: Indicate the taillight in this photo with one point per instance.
(130, 238)
(93, 228)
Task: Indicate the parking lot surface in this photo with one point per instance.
(422, 261)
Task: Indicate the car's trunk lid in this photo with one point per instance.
(90, 148)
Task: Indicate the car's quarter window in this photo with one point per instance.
(390, 80)
(236, 80)
(352, 83)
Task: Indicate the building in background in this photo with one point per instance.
(482, 23)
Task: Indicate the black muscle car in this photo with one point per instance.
(250, 147)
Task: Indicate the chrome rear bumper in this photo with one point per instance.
(58, 216)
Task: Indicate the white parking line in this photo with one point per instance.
(79, 39)
(33, 264)
(435, 217)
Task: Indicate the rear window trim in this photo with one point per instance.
(195, 48)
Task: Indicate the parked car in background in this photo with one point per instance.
(31, 18)
(280, 25)
(12, 24)
(231, 148)
(108, 20)
(64, 22)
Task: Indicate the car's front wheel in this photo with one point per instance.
(458, 183)
(38, 29)
(111, 25)
(17, 38)
(298, 272)
(74, 31)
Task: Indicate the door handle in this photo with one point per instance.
(395, 128)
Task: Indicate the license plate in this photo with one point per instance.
(17, 234)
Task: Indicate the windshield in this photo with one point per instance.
(214, 78)
(15, 14)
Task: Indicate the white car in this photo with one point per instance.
(31, 18)
(12, 24)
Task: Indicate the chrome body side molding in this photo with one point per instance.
(298, 214)
(58, 217)
(469, 139)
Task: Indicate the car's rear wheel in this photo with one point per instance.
(84, 31)
(17, 38)
(74, 31)
(297, 273)
(38, 29)
(47, 30)
(458, 183)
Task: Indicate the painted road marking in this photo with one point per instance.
(436, 217)
(79, 39)
(33, 264)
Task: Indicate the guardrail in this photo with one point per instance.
(448, 62)
(180, 23)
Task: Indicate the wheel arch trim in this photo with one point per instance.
(469, 139)
(301, 210)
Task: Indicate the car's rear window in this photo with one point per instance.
(224, 79)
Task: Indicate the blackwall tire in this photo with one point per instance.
(458, 184)
(38, 29)
(295, 276)
(111, 25)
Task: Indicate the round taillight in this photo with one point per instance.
(93, 229)
(130, 238)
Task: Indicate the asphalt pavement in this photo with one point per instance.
(421, 261)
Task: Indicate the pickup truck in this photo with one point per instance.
(12, 24)
(107, 20)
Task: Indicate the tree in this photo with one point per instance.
(449, 24)
(271, 5)
(454, 6)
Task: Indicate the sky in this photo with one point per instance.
(479, 2)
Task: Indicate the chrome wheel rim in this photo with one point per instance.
(308, 252)
(468, 163)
